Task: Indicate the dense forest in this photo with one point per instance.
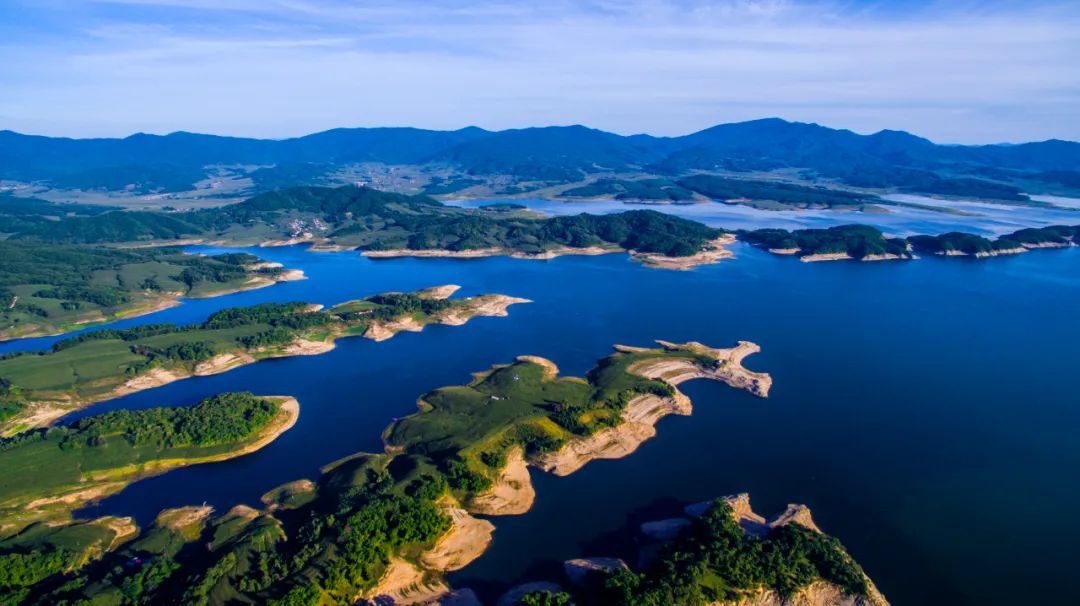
(717, 560)
(221, 419)
(858, 241)
(890, 159)
(377, 220)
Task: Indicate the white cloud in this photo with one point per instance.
(663, 66)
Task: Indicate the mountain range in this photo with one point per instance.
(553, 154)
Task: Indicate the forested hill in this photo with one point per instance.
(366, 218)
(884, 159)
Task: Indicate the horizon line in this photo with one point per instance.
(546, 126)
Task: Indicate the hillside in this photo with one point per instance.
(563, 154)
(360, 217)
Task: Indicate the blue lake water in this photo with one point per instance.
(926, 411)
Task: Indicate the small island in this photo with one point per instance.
(46, 474)
(865, 243)
(717, 552)
(51, 289)
(37, 388)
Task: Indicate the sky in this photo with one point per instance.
(956, 71)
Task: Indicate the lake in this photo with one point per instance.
(926, 411)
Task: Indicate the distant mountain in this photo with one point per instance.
(884, 159)
(554, 153)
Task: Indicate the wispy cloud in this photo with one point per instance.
(964, 72)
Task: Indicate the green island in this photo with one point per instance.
(49, 289)
(384, 224)
(716, 552)
(386, 527)
(964, 244)
(45, 474)
(867, 243)
(38, 387)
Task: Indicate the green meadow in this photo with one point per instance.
(54, 288)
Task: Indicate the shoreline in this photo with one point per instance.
(513, 493)
(715, 251)
(42, 412)
(108, 482)
(158, 304)
(477, 253)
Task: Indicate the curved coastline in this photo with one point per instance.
(95, 486)
(512, 492)
(154, 305)
(47, 407)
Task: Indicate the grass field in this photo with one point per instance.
(523, 404)
(53, 289)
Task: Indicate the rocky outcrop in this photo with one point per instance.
(579, 570)
(466, 540)
(640, 416)
(404, 583)
(713, 252)
(727, 367)
(819, 593)
(420, 582)
(512, 492)
(638, 425)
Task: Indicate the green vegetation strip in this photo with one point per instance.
(37, 387)
(46, 473)
(52, 289)
(865, 242)
(365, 218)
(716, 560)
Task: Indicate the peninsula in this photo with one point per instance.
(386, 526)
(37, 388)
(46, 474)
(50, 289)
(718, 552)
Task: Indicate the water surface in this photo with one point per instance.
(926, 411)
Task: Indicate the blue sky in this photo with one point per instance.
(956, 71)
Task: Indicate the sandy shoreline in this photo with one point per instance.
(714, 252)
(476, 253)
(156, 305)
(109, 482)
(512, 492)
(46, 410)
